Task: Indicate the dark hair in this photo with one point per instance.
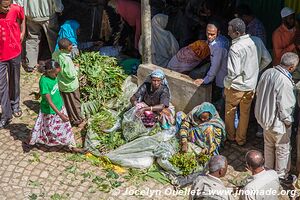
(50, 65)
(215, 22)
(64, 43)
(243, 9)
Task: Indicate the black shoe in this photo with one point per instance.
(4, 123)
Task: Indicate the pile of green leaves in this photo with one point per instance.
(108, 141)
(186, 162)
(203, 159)
(100, 79)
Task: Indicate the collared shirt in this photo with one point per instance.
(243, 64)
(218, 58)
(275, 100)
(209, 186)
(283, 41)
(256, 28)
(261, 186)
(40, 10)
(68, 76)
(264, 57)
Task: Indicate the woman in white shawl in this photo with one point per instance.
(164, 45)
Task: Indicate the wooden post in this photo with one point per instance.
(146, 31)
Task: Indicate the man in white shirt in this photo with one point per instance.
(210, 186)
(273, 110)
(241, 80)
(263, 184)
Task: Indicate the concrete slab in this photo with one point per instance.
(185, 94)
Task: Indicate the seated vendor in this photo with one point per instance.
(189, 57)
(152, 101)
(202, 128)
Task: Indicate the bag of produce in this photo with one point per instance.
(133, 126)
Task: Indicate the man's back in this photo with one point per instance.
(275, 97)
(262, 186)
(243, 64)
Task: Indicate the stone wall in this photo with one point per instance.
(185, 94)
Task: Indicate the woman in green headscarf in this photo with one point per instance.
(202, 130)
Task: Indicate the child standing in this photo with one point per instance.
(52, 126)
(68, 82)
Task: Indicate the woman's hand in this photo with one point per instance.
(140, 112)
(64, 117)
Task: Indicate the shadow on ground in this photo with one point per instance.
(32, 105)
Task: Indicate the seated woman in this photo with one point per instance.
(189, 57)
(153, 101)
(202, 128)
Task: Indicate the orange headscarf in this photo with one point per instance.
(200, 48)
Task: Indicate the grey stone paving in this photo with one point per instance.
(52, 173)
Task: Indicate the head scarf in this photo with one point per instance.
(164, 45)
(68, 30)
(206, 107)
(200, 48)
(158, 73)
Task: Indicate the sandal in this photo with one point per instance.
(17, 113)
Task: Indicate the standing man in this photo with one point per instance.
(40, 16)
(12, 24)
(218, 45)
(283, 37)
(273, 110)
(243, 68)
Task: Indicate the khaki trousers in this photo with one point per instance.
(233, 98)
(277, 151)
(34, 34)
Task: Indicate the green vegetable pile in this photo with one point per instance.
(203, 159)
(108, 141)
(186, 162)
(100, 80)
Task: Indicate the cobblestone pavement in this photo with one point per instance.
(52, 173)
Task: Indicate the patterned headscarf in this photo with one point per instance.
(200, 48)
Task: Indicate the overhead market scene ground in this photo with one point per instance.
(131, 99)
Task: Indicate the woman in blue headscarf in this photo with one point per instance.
(70, 30)
(202, 129)
(153, 101)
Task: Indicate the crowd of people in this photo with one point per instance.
(237, 66)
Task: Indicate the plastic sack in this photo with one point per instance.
(123, 102)
(90, 142)
(140, 152)
(117, 125)
(133, 126)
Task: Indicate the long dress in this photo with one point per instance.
(206, 136)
